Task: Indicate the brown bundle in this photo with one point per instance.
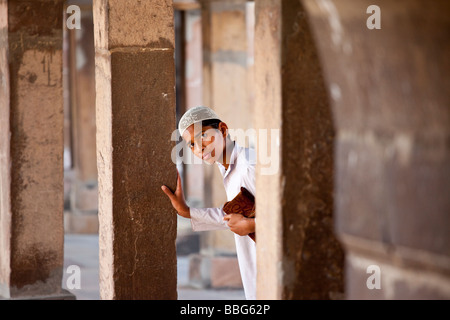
(243, 203)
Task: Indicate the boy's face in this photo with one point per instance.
(206, 143)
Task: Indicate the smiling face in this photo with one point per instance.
(206, 142)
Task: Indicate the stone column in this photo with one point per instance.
(135, 110)
(194, 186)
(390, 100)
(82, 217)
(298, 255)
(31, 150)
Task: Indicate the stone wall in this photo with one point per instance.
(390, 101)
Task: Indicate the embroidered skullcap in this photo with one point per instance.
(195, 115)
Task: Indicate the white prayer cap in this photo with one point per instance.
(195, 115)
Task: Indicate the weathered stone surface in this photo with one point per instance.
(5, 160)
(390, 101)
(134, 24)
(135, 109)
(393, 195)
(37, 169)
(227, 27)
(143, 121)
(310, 259)
(268, 102)
(199, 271)
(418, 282)
(81, 70)
(80, 223)
(225, 273)
(32, 149)
(220, 272)
(84, 197)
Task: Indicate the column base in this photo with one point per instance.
(218, 272)
(63, 295)
(81, 222)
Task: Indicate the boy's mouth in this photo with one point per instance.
(206, 156)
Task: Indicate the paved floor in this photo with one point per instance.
(82, 251)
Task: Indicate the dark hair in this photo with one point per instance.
(211, 123)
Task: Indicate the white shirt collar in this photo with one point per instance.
(233, 157)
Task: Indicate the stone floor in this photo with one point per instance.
(82, 251)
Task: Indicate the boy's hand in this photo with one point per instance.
(240, 224)
(177, 199)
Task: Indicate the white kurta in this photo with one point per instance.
(240, 173)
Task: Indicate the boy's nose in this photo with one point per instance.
(198, 148)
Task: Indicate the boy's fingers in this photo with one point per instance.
(178, 182)
(167, 191)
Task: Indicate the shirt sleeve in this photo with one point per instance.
(206, 219)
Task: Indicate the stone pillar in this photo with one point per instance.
(298, 255)
(82, 217)
(31, 150)
(390, 100)
(83, 110)
(135, 110)
(194, 173)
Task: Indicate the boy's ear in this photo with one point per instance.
(223, 128)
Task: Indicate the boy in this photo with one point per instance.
(208, 138)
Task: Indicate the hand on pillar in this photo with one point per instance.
(177, 199)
